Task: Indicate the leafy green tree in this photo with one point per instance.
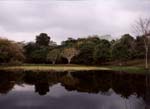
(86, 53)
(53, 55)
(69, 53)
(40, 55)
(120, 52)
(43, 39)
(29, 48)
(139, 48)
(86, 47)
(93, 39)
(102, 51)
(128, 41)
(70, 42)
(37, 52)
(124, 49)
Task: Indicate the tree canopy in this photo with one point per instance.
(69, 53)
(53, 55)
(43, 39)
(10, 52)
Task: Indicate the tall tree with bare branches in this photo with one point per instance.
(142, 28)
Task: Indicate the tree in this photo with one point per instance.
(129, 42)
(10, 52)
(43, 39)
(53, 55)
(70, 42)
(139, 48)
(102, 51)
(37, 52)
(69, 53)
(29, 48)
(94, 39)
(124, 48)
(39, 55)
(142, 28)
(86, 53)
(86, 47)
(119, 52)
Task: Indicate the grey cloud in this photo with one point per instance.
(68, 18)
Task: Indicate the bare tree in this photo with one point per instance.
(142, 28)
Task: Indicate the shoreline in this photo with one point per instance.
(128, 69)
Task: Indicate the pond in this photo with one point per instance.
(74, 90)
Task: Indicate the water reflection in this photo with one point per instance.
(74, 90)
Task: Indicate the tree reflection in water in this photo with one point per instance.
(123, 84)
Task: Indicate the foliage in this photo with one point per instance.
(102, 51)
(124, 48)
(37, 52)
(10, 51)
(29, 48)
(69, 53)
(86, 47)
(43, 39)
(119, 52)
(39, 55)
(70, 42)
(86, 53)
(90, 50)
(139, 47)
(53, 55)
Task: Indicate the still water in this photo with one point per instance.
(74, 90)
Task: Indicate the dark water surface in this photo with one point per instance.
(74, 90)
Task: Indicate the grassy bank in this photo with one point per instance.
(129, 69)
(53, 67)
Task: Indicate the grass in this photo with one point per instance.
(53, 67)
(129, 69)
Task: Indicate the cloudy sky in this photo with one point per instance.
(22, 20)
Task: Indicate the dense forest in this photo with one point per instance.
(89, 51)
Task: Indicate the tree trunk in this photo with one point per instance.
(146, 58)
(69, 60)
(146, 54)
(53, 62)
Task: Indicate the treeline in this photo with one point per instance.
(91, 50)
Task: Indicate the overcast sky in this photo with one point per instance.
(22, 20)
